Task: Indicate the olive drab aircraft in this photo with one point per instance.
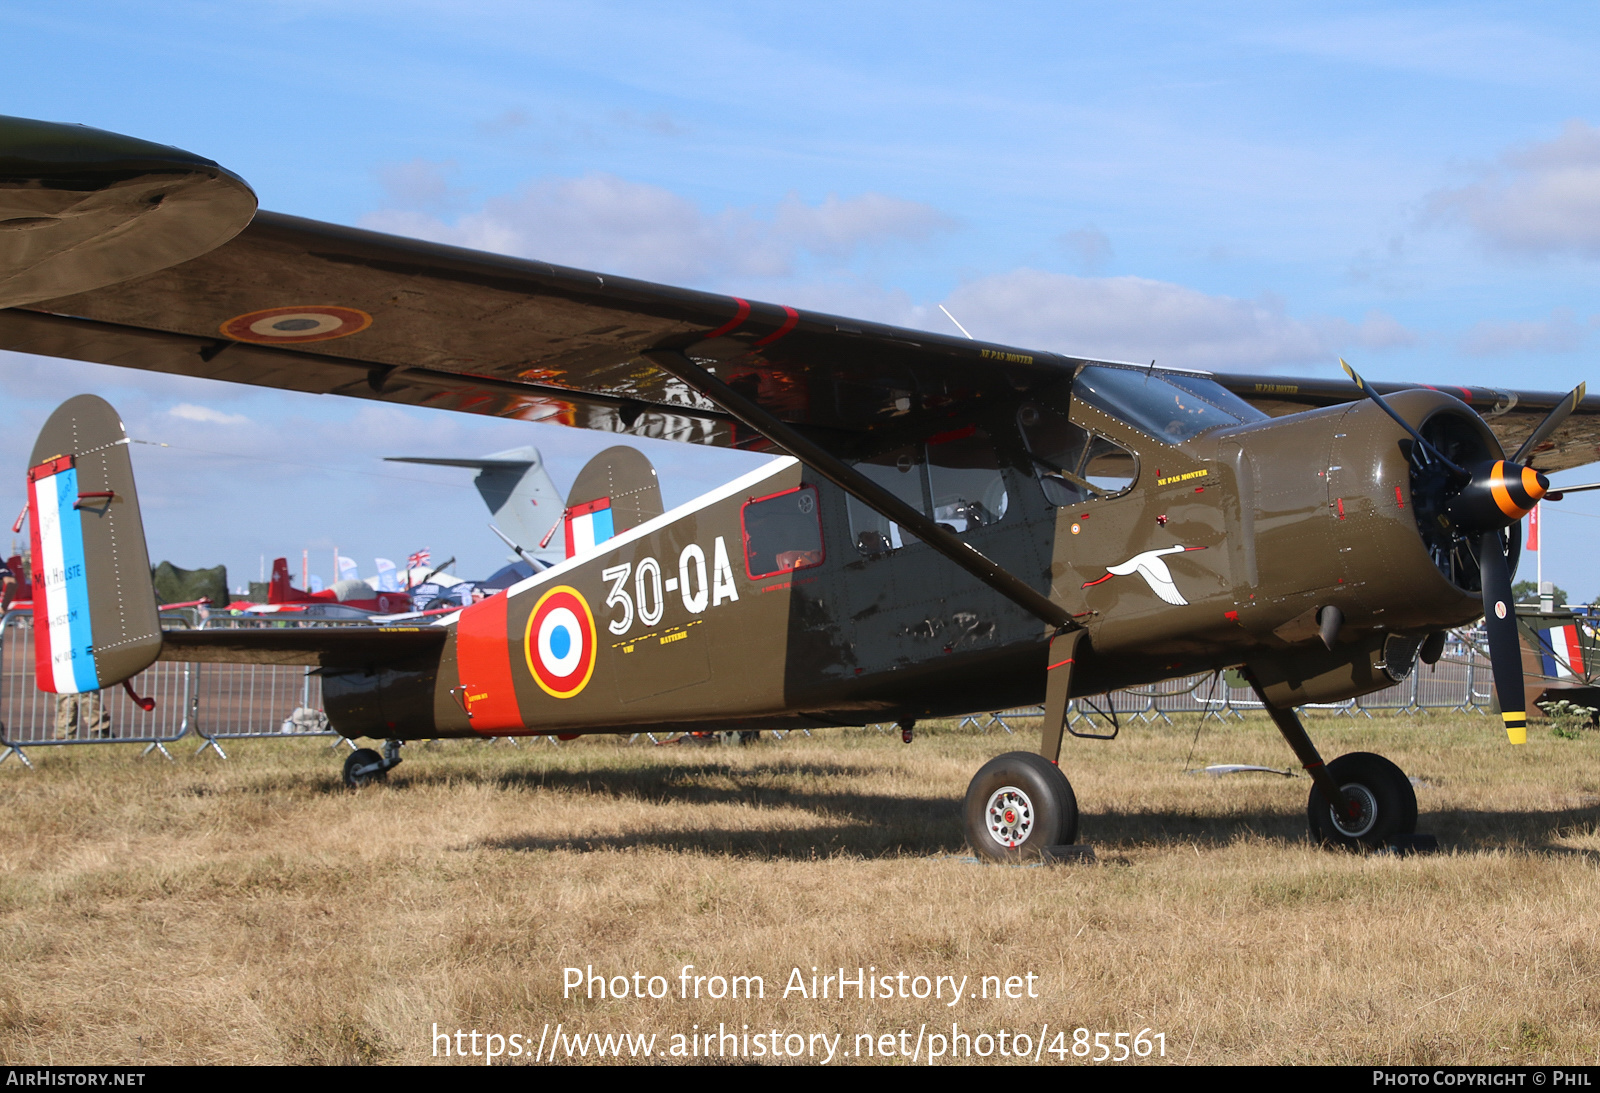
(950, 525)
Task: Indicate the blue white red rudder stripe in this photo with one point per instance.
(63, 641)
(588, 525)
(1561, 650)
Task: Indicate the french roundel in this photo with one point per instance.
(560, 642)
(292, 325)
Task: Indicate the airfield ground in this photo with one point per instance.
(253, 910)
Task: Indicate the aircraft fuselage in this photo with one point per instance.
(777, 601)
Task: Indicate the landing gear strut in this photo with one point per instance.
(365, 765)
(1358, 800)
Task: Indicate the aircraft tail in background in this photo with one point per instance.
(521, 497)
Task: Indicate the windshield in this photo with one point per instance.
(1168, 406)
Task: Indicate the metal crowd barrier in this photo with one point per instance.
(214, 702)
(32, 718)
(261, 701)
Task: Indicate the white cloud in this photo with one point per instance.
(1560, 333)
(615, 225)
(838, 228)
(1134, 318)
(1542, 198)
(188, 411)
(1089, 247)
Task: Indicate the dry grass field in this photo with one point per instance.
(253, 910)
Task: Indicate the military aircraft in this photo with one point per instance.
(346, 599)
(1560, 654)
(954, 525)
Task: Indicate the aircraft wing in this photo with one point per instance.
(324, 646)
(509, 337)
(1512, 415)
(307, 306)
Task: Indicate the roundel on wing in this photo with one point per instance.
(292, 325)
(560, 642)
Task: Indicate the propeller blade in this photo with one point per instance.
(1367, 390)
(1505, 649)
(1552, 421)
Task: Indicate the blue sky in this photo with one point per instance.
(1238, 187)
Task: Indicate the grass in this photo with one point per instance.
(255, 911)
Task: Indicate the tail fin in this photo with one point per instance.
(615, 491)
(281, 589)
(517, 489)
(95, 616)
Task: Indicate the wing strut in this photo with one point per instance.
(862, 488)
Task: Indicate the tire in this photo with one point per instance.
(355, 761)
(1018, 804)
(1389, 804)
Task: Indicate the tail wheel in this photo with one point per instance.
(362, 767)
(1018, 804)
(1385, 805)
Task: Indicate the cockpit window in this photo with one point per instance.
(1073, 465)
(1169, 406)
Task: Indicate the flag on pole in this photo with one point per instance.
(348, 570)
(1533, 529)
(419, 559)
(388, 581)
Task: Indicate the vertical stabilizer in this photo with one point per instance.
(94, 607)
(616, 490)
(518, 492)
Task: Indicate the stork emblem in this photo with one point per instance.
(1154, 571)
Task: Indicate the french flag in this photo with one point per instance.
(588, 525)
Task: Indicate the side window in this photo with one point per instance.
(1072, 464)
(968, 489)
(782, 532)
(901, 472)
(1109, 467)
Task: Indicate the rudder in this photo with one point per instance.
(96, 621)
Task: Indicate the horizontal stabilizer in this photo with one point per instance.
(323, 646)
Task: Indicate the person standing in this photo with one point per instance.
(82, 715)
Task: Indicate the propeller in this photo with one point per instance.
(1426, 444)
(1473, 506)
(1551, 422)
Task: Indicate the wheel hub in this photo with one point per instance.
(1363, 813)
(1009, 816)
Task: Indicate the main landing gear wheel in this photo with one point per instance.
(1018, 804)
(363, 767)
(1385, 804)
